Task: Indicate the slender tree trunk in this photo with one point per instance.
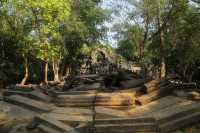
(56, 70)
(3, 50)
(142, 45)
(23, 82)
(162, 52)
(63, 67)
(46, 73)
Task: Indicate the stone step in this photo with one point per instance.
(179, 123)
(53, 123)
(70, 118)
(84, 128)
(35, 94)
(72, 111)
(108, 111)
(46, 129)
(88, 86)
(28, 103)
(177, 111)
(38, 95)
(154, 106)
(61, 104)
(128, 128)
(125, 120)
(15, 92)
(21, 88)
(57, 93)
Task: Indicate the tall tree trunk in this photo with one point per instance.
(23, 82)
(56, 70)
(63, 67)
(142, 45)
(3, 50)
(46, 73)
(162, 52)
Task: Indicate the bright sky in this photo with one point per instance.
(120, 9)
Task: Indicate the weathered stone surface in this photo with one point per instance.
(35, 94)
(21, 128)
(125, 120)
(84, 128)
(88, 86)
(38, 95)
(155, 85)
(115, 99)
(179, 123)
(53, 123)
(161, 92)
(110, 112)
(132, 83)
(57, 93)
(177, 116)
(28, 103)
(72, 111)
(13, 92)
(181, 93)
(88, 76)
(176, 111)
(128, 128)
(148, 109)
(46, 129)
(70, 118)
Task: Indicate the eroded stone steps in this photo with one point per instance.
(179, 123)
(177, 111)
(125, 120)
(154, 106)
(28, 103)
(35, 94)
(126, 127)
(53, 123)
(46, 129)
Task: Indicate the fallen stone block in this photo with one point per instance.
(53, 123)
(28, 103)
(164, 91)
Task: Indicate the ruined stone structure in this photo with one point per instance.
(101, 60)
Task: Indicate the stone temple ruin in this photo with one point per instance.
(85, 104)
(102, 61)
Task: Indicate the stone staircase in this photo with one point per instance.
(161, 116)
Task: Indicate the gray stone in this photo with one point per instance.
(28, 103)
(38, 95)
(128, 128)
(46, 129)
(53, 123)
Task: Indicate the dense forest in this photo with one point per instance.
(45, 40)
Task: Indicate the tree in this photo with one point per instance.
(48, 18)
(16, 22)
(129, 45)
(85, 27)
